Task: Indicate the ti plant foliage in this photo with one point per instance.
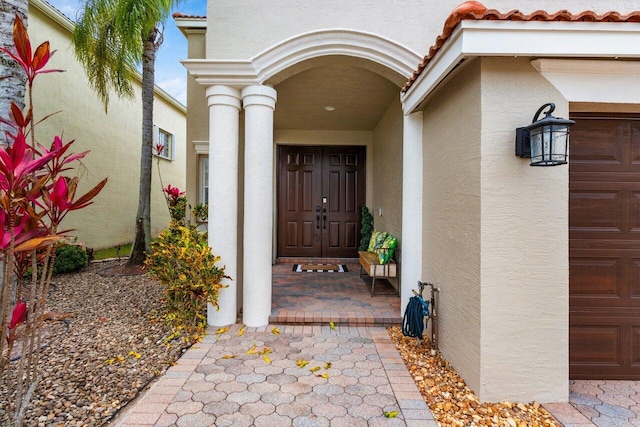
(36, 193)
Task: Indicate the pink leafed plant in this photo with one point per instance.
(36, 193)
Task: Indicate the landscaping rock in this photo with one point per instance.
(451, 401)
(109, 347)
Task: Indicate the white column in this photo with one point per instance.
(411, 267)
(224, 115)
(259, 103)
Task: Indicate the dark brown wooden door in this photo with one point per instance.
(320, 191)
(604, 248)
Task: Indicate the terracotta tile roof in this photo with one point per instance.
(475, 10)
(185, 16)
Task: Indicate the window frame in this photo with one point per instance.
(168, 147)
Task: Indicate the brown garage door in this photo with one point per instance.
(604, 248)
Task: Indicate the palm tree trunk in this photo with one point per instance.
(12, 83)
(143, 218)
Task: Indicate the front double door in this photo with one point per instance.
(320, 192)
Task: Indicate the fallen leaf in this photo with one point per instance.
(325, 375)
(317, 368)
(266, 350)
(327, 365)
(252, 350)
(391, 414)
(222, 330)
(266, 358)
(275, 331)
(135, 354)
(302, 363)
(332, 325)
(241, 331)
(229, 356)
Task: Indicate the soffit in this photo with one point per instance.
(359, 96)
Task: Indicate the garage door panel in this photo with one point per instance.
(634, 283)
(634, 211)
(604, 249)
(597, 145)
(587, 207)
(594, 277)
(595, 344)
(635, 346)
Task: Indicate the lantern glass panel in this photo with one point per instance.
(549, 145)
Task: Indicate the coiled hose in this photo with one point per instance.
(413, 321)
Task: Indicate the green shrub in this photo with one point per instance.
(366, 228)
(182, 260)
(70, 258)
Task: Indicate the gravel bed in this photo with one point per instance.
(108, 348)
(451, 401)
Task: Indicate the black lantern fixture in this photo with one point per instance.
(544, 141)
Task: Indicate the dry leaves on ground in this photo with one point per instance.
(451, 401)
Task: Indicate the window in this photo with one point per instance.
(166, 139)
(204, 180)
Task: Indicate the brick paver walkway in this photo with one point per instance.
(602, 403)
(353, 376)
(317, 298)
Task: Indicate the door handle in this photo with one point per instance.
(317, 222)
(324, 222)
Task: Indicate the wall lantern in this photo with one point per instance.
(544, 141)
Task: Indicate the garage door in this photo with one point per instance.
(604, 248)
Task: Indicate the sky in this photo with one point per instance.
(170, 74)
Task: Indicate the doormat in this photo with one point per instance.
(319, 268)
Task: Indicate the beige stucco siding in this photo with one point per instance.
(451, 217)
(387, 171)
(241, 29)
(114, 140)
(387, 176)
(524, 274)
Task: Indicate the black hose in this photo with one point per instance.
(413, 322)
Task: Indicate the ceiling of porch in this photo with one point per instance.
(359, 91)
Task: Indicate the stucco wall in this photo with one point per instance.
(451, 215)
(525, 271)
(451, 218)
(241, 29)
(387, 171)
(114, 140)
(387, 176)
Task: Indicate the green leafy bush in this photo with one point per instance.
(183, 262)
(366, 228)
(70, 258)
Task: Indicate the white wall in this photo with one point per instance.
(114, 139)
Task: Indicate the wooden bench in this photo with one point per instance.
(370, 263)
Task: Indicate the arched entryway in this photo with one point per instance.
(334, 88)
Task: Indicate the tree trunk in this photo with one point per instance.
(142, 240)
(13, 78)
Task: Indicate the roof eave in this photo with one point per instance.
(523, 38)
(189, 24)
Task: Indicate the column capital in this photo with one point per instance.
(223, 95)
(259, 95)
